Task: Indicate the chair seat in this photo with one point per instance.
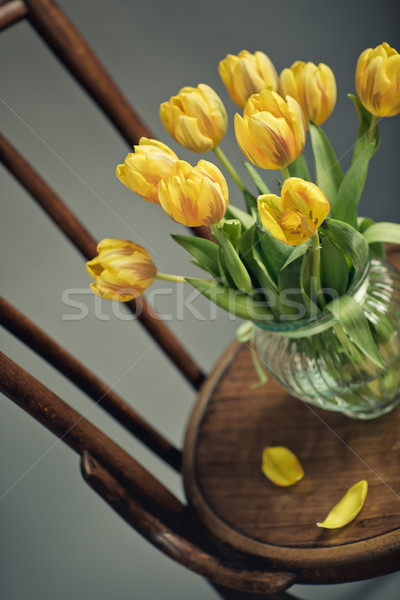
(246, 514)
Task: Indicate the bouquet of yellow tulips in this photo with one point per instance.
(306, 240)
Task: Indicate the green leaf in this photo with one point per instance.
(297, 251)
(235, 266)
(328, 173)
(299, 168)
(224, 274)
(250, 255)
(233, 212)
(352, 186)
(293, 299)
(262, 273)
(242, 305)
(351, 316)
(365, 122)
(383, 232)
(274, 253)
(334, 268)
(363, 223)
(204, 251)
(377, 248)
(257, 180)
(349, 241)
(251, 201)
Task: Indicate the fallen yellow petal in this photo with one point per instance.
(348, 508)
(281, 466)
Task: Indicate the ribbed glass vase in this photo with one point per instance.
(319, 363)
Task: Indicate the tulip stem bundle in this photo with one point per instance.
(285, 173)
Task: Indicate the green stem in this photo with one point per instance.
(214, 231)
(174, 278)
(372, 127)
(285, 173)
(229, 167)
(257, 180)
(315, 283)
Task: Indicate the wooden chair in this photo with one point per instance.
(249, 539)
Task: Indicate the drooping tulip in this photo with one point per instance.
(122, 270)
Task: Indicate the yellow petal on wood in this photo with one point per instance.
(281, 466)
(348, 508)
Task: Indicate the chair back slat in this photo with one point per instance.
(12, 12)
(78, 433)
(70, 225)
(17, 324)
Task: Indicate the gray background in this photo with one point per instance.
(57, 538)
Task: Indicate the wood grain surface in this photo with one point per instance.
(228, 430)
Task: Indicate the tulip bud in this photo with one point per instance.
(378, 80)
(143, 170)
(272, 132)
(295, 216)
(313, 87)
(196, 118)
(122, 270)
(247, 74)
(194, 196)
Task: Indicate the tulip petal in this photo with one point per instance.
(347, 508)
(274, 138)
(281, 466)
(247, 145)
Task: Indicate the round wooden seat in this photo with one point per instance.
(246, 513)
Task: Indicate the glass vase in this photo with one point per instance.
(319, 363)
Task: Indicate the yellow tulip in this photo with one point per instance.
(143, 170)
(378, 80)
(122, 270)
(295, 216)
(196, 118)
(247, 74)
(272, 132)
(313, 87)
(194, 196)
